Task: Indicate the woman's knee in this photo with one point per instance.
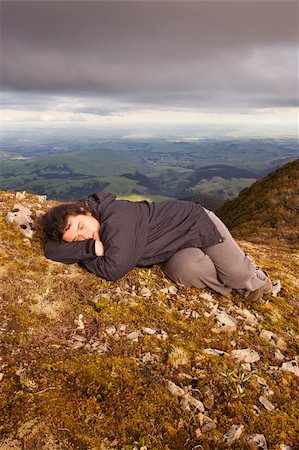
(184, 266)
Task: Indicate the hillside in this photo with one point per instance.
(268, 210)
(87, 364)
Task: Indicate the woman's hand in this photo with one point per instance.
(99, 248)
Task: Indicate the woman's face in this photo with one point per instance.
(82, 227)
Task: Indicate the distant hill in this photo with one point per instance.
(268, 210)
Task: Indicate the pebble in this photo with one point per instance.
(265, 402)
(227, 322)
(146, 292)
(174, 389)
(193, 402)
(246, 355)
(291, 366)
(133, 336)
(276, 287)
(214, 351)
(206, 296)
(257, 442)
(1, 376)
(79, 322)
(148, 330)
(247, 315)
(261, 380)
(76, 345)
(267, 335)
(246, 366)
(233, 434)
(110, 330)
(278, 355)
(122, 328)
(285, 447)
(206, 423)
(79, 338)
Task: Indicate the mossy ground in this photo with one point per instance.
(54, 396)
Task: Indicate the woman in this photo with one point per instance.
(110, 237)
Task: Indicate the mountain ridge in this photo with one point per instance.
(140, 364)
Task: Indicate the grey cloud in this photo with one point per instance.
(154, 53)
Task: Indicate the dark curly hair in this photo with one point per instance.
(54, 222)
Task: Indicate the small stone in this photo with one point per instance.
(278, 355)
(291, 366)
(257, 442)
(214, 351)
(174, 389)
(147, 357)
(172, 290)
(102, 348)
(110, 330)
(267, 335)
(195, 315)
(233, 434)
(285, 447)
(198, 433)
(79, 322)
(206, 296)
(148, 330)
(1, 376)
(21, 196)
(194, 402)
(122, 328)
(79, 338)
(246, 366)
(133, 336)
(261, 380)
(281, 344)
(209, 426)
(265, 402)
(227, 322)
(76, 345)
(146, 292)
(276, 287)
(246, 355)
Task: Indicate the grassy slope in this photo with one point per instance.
(268, 209)
(56, 397)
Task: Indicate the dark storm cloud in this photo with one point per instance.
(189, 53)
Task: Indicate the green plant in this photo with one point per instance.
(237, 379)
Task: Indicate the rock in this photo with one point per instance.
(265, 402)
(281, 344)
(146, 292)
(79, 322)
(194, 314)
(147, 357)
(285, 447)
(291, 366)
(20, 217)
(194, 402)
(147, 330)
(257, 442)
(172, 290)
(79, 338)
(133, 336)
(163, 335)
(206, 423)
(227, 322)
(41, 198)
(233, 434)
(205, 296)
(276, 287)
(198, 433)
(246, 366)
(76, 345)
(110, 330)
(260, 380)
(175, 390)
(267, 336)
(122, 328)
(1, 376)
(247, 316)
(246, 355)
(21, 196)
(278, 355)
(214, 351)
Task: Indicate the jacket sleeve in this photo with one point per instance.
(121, 255)
(70, 252)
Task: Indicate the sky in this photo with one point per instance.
(140, 63)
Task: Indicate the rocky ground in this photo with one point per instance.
(140, 364)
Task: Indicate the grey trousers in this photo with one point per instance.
(220, 267)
